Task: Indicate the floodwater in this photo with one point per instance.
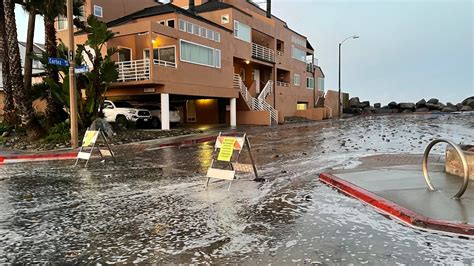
(153, 207)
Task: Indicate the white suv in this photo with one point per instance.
(123, 112)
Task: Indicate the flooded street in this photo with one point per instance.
(153, 206)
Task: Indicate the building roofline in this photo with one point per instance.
(168, 8)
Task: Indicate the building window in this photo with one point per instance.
(82, 14)
(146, 54)
(298, 54)
(182, 25)
(309, 83)
(210, 35)
(170, 23)
(296, 80)
(98, 11)
(298, 41)
(204, 32)
(167, 54)
(196, 30)
(62, 23)
(321, 84)
(217, 37)
(162, 22)
(124, 54)
(217, 57)
(302, 106)
(199, 54)
(189, 27)
(242, 31)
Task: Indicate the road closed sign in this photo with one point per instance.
(227, 149)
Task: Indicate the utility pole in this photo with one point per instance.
(72, 78)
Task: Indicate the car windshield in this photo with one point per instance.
(123, 105)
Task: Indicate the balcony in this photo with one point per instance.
(134, 70)
(263, 53)
(282, 84)
(311, 64)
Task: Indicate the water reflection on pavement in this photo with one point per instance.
(153, 206)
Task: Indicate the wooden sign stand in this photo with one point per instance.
(89, 144)
(224, 152)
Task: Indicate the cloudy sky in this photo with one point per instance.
(407, 50)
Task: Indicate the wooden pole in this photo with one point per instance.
(72, 79)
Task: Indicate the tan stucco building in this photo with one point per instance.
(225, 61)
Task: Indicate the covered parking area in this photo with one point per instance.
(193, 110)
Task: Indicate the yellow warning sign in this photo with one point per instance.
(227, 149)
(89, 138)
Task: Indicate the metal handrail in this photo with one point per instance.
(262, 52)
(267, 90)
(465, 166)
(164, 63)
(134, 70)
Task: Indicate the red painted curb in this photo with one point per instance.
(393, 209)
(37, 157)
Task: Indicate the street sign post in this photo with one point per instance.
(58, 62)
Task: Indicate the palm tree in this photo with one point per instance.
(22, 102)
(8, 109)
(30, 7)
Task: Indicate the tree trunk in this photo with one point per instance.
(29, 49)
(8, 108)
(22, 102)
(52, 51)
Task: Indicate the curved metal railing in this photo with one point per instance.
(465, 183)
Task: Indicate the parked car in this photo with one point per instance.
(124, 113)
(155, 111)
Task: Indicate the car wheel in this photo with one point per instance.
(155, 122)
(122, 122)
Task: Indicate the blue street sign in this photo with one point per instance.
(58, 62)
(81, 69)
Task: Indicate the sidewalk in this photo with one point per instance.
(394, 185)
(16, 156)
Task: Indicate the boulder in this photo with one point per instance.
(407, 111)
(364, 104)
(470, 103)
(449, 109)
(433, 101)
(404, 106)
(354, 102)
(433, 106)
(422, 110)
(466, 109)
(465, 102)
(393, 105)
(459, 106)
(450, 104)
(368, 110)
(421, 103)
(377, 105)
(385, 111)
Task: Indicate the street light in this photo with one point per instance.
(340, 44)
(72, 79)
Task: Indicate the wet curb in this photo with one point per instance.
(55, 156)
(394, 210)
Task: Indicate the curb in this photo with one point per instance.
(394, 210)
(73, 155)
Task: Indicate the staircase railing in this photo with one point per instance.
(267, 90)
(256, 104)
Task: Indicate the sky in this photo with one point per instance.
(407, 50)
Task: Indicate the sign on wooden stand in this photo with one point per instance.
(89, 145)
(225, 161)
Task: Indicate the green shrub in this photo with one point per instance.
(59, 133)
(4, 127)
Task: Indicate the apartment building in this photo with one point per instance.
(225, 61)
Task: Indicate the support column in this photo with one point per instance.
(165, 111)
(233, 112)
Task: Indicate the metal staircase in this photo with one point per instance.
(259, 103)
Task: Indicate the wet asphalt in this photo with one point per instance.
(153, 207)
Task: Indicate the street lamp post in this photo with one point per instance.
(72, 79)
(339, 95)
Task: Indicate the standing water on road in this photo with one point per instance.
(153, 206)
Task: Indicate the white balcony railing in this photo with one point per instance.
(134, 70)
(164, 63)
(263, 53)
(282, 84)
